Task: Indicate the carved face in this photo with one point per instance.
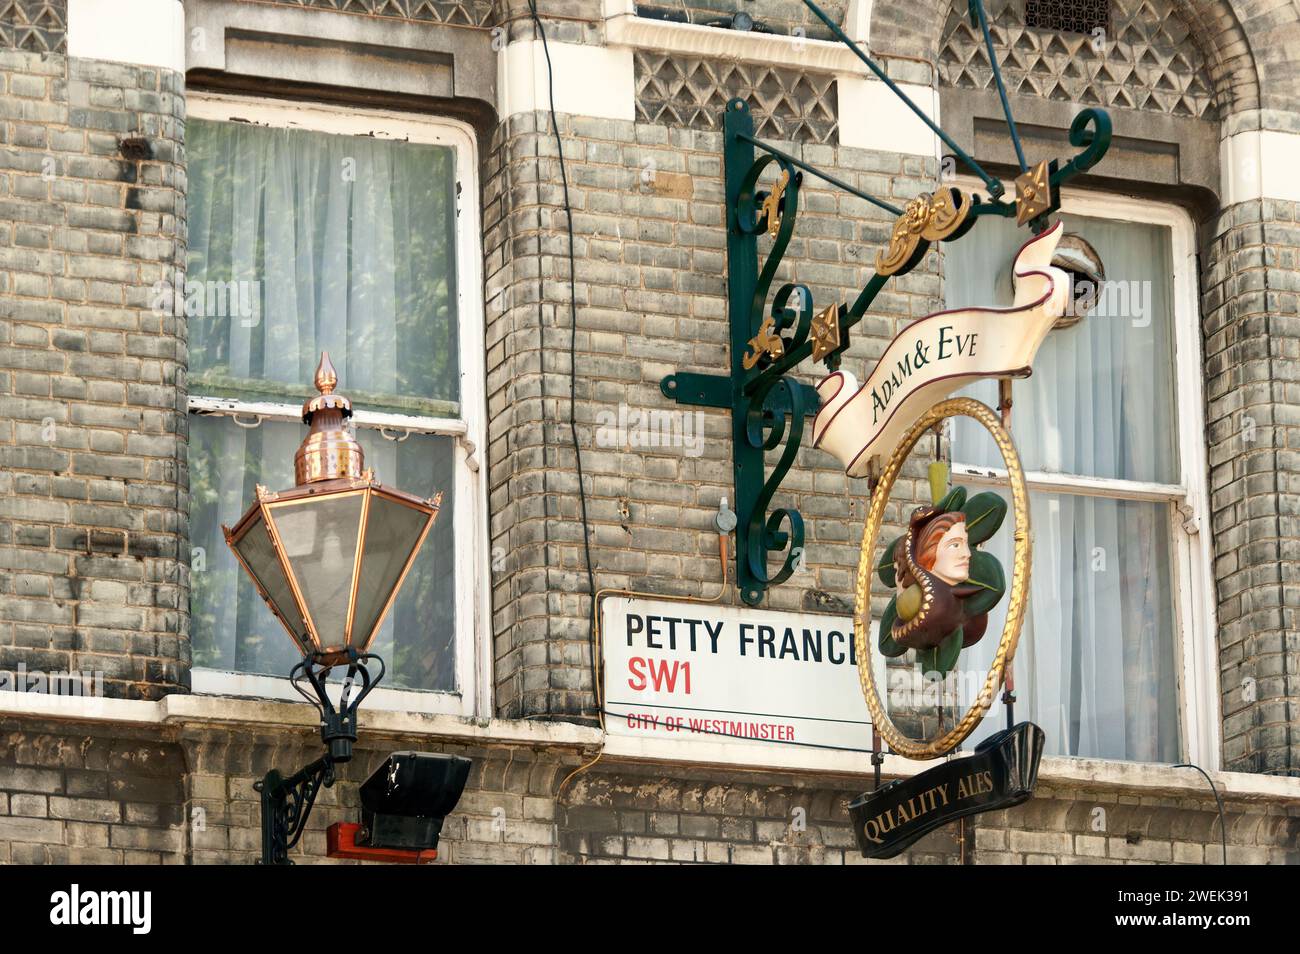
(952, 557)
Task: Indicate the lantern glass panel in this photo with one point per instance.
(320, 537)
(393, 531)
(256, 550)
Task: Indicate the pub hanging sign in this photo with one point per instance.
(1000, 774)
(943, 584)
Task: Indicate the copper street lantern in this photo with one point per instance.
(328, 557)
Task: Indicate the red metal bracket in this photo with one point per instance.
(341, 842)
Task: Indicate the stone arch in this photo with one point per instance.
(1267, 38)
(918, 28)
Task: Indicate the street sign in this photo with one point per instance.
(683, 670)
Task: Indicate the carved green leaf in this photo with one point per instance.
(946, 652)
(888, 647)
(986, 573)
(885, 568)
(953, 500)
(984, 514)
(927, 659)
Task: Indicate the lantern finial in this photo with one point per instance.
(326, 377)
(330, 451)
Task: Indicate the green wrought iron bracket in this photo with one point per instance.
(768, 409)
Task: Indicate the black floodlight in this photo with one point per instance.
(404, 802)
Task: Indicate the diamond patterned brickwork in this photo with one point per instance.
(37, 26)
(693, 91)
(1150, 59)
(463, 13)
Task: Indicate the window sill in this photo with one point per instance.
(774, 49)
(255, 714)
(182, 709)
(1139, 778)
(260, 713)
(222, 684)
(624, 28)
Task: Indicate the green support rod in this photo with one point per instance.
(995, 186)
(824, 176)
(980, 19)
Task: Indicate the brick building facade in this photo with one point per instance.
(114, 409)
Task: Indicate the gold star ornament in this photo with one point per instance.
(1033, 193)
(825, 332)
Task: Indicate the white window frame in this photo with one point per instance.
(469, 432)
(1191, 575)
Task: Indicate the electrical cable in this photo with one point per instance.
(1223, 828)
(573, 350)
(600, 707)
(593, 631)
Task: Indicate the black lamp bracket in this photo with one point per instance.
(287, 802)
(338, 727)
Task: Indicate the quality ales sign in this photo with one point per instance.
(1000, 774)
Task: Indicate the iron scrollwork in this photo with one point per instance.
(768, 408)
(773, 406)
(286, 803)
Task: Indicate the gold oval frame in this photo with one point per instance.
(942, 745)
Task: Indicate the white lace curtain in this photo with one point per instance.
(350, 242)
